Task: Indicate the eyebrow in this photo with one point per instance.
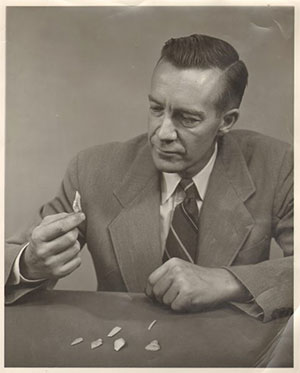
(180, 109)
(151, 98)
(191, 112)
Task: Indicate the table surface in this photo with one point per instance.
(39, 330)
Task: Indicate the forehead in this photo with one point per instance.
(189, 86)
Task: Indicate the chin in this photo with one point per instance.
(165, 166)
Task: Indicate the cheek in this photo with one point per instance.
(150, 127)
(198, 143)
(207, 132)
(153, 124)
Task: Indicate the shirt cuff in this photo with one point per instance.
(16, 277)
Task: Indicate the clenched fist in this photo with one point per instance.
(189, 287)
(53, 248)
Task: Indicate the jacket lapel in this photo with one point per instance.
(225, 222)
(135, 232)
(224, 226)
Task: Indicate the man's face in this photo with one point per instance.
(183, 120)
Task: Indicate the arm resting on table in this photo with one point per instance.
(271, 281)
(15, 245)
(271, 284)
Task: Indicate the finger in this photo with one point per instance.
(53, 263)
(170, 295)
(59, 227)
(50, 218)
(162, 286)
(67, 255)
(154, 277)
(61, 243)
(69, 267)
(60, 216)
(180, 303)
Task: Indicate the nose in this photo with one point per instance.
(166, 130)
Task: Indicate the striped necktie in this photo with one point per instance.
(183, 234)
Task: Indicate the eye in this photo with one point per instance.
(189, 122)
(156, 110)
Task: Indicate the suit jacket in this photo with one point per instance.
(249, 201)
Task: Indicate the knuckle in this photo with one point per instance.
(166, 300)
(41, 253)
(49, 263)
(156, 290)
(38, 248)
(76, 247)
(35, 235)
(148, 291)
(179, 305)
(176, 307)
(177, 281)
(174, 261)
(71, 237)
(177, 284)
(57, 272)
(151, 280)
(40, 234)
(78, 262)
(75, 264)
(176, 270)
(185, 291)
(181, 281)
(60, 229)
(47, 218)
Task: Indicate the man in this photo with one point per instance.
(186, 214)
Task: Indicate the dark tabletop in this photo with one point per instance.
(39, 330)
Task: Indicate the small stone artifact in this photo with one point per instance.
(96, 343)
(151, 325)
(153, 346)
(76, 341)
(114, 331)
(119, 343)
(77, 202)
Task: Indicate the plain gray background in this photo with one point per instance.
(79, 76)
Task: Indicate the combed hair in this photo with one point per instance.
(205, 52)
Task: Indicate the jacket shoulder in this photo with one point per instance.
(255, 144)
(248, 136)
(267, 159)
(111, 159)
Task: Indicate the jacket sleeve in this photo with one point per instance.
(61, 203)
(271, 282)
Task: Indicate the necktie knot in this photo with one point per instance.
(189, 188)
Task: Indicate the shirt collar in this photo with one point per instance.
(170, 181)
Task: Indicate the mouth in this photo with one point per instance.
(167, 149)
(167, 152)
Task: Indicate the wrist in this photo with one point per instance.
(25, 271)
(234, 289)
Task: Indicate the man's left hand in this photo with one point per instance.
(185, 286)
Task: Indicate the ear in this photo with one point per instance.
(229, 119)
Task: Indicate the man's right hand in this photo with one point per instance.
(53, 249)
